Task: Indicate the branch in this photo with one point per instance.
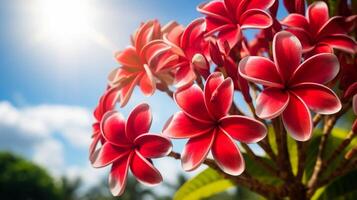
(320, 164)
(341, 147)
(301, 149)
(283, 154)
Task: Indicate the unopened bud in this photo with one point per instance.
(199, 61)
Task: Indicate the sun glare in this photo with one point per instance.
(64, 22)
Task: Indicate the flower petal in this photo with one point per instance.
(129, 57)
(354, 104)
(320, 68)
(255, 18)
(218, 95)
(144, 171)
(184, 76)
(107, 154)
(304, 38)
(118, 175)
(341, 42)
(333, 26)
(318, 98)
(196, 150)
(192, 32)
(94, 144)
(259, 4)
(287, 52)
(147, 82)
(112, 127)
(243, 129)
(317, 14)
(296, 20)
(271, 103)
(139, 121)
(260, 70)
(351, 90)
(297, 119)
(192, 103)
(153, 146)
(230, 33)
(227, 155)
(126, 91)
(214, 9)
(181, 125)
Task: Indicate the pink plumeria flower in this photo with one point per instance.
(106, 103)
(230, 17)
(351, 92)
(292, 88)
(204, 120)
(191, 46)
(141, 62)
(128, 144)
(317, 32)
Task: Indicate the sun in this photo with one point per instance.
(64, 22)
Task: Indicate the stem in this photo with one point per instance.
(341, 147)
(301, 147)
(320, 164)
(164, 88)
(283, 154)
(319, 161)
(317, 118)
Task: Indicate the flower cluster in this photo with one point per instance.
(291, 67)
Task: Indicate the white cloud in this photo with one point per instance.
(42, 133)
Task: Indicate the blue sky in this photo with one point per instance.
(49, 84)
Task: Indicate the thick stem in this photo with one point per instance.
(283, 154)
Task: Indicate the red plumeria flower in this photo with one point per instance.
(348, 74)
(317, 32)
(352, 92)
(291, 87)
(191, 47)
(295, 6)
(106, 103)
(227, 65)
(230, 17)
(128, 144)
(205, 121)
(141, 62)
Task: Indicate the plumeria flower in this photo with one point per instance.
(351, 92)
(295, 6)
(106, 103)
(128, 144)
(191, 47)
(227, 65)
(292, 88)
(204, 120)
(317, 32)
(142, 61)
(348, 74)
(229, 17)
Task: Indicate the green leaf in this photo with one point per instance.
(210, 182)
(335, 139)
(206, 184)
(342, 188)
